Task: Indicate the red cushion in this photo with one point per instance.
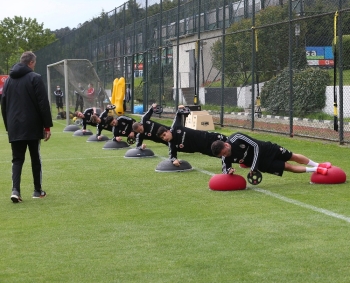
(227, 182)
(335, 175)
(243, 165)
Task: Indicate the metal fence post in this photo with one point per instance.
(291, 45)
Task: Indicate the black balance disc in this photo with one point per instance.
(255, 178)
(130, 140)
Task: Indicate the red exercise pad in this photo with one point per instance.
(335, 175)
(227, 182)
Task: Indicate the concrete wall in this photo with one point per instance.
(213, 96)
(241, 96)
(186, 65)
(330, 100)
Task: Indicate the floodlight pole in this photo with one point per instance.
(291, 91)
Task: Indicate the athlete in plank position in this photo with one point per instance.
(185, 139)
(263, 156)
(147, 129)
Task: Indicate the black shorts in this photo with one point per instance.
(275, 165)
(59, 102)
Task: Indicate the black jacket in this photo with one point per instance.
(190, 140)
(25, 106)
(87, 117)
(124, 127)
(251, 152)
(150, 130)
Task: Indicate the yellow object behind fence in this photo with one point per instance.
(118, 95)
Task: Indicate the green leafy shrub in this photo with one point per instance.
(309, 87)
(138, 90)
(346, 51)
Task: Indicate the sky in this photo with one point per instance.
(57, 14)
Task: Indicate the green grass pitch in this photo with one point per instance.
(107, 218)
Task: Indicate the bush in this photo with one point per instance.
(309, 87)
(346, 52)
(155, 78)
(138, 89)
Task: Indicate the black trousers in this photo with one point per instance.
(19, 149)
(59, 102)
(79, 102)
(100, 101)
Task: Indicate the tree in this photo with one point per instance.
(273, 41)
(272, 46)
(18, 35)
(237, 52)
(346, 51)
(62, 32)
(169, 4)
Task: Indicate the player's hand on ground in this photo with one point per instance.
(99, 138)
(231, 170)
(118, 139)
(84, 131)
(176, 162)
(143, 146)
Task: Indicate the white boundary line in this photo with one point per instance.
(292, 201)
(304, 205)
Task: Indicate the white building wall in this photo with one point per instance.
(244, 97)
(330, 101)
(244, 93)
(209, 73)
(184, 64)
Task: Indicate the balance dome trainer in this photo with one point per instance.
(335, 175)
(227, 182)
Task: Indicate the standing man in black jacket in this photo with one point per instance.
(80, 97)
(59, 99)
(27, 117)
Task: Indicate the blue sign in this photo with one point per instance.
(328, 53)
(319, 52)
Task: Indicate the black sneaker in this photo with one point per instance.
(16, 197)
(184, 110)
(158, 109)
(39, 194)
(110, 107)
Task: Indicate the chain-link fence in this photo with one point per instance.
(271, 65)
